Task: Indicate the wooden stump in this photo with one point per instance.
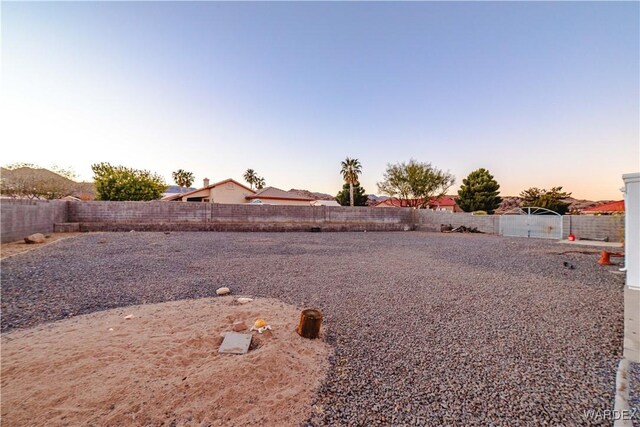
(310, 321)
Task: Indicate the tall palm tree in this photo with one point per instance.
(183, 178)
(351, 169)
(251, 177)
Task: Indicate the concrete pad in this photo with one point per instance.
(235, 343)
(592, 243)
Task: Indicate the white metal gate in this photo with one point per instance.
(532, 222)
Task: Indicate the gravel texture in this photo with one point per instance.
(428, 328)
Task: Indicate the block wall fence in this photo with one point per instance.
(20, 218)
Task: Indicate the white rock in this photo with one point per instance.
(35, 238)
(128, 316)
(244, 300)
(223, 291)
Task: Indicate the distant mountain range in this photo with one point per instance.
(511, 202)
(175, 189)
(312, 195)
(44, 177)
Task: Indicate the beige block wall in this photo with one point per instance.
(229, 193)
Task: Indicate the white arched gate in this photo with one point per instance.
(531, 222)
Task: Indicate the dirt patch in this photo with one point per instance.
(161, 367)
(13, 248)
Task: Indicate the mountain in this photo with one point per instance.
(512, 202)
(175, 189)
(312, 195)
(42, 183)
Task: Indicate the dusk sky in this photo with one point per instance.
(541, 94)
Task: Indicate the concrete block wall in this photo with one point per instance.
(431, 220)
(22, 217)
(594, 227)
(131, 212)
(19, 218)
(149, 216)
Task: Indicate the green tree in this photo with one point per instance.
(351, 170)
(259, 182)
(415, 183)
(183, 178)
(479, 192)
(122, 183)
(359, 197)
(552, 199)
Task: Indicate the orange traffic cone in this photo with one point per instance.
(604, 258)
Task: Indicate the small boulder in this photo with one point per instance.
(223, 291)
(244, 300)
(239, 325)
(34, 238)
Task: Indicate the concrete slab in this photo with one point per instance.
(592, 243)
(235, 343)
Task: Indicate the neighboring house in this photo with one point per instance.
(275, 196)
(612, 208)
(173, 190)
(227, 191)
(325, 203)
(445, 203)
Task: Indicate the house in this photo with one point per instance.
(325, 203)
(444, 203)
(228, 191)
(275, 196)
(611, 208)
(172, 190)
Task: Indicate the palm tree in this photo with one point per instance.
(259, 183)
(183, 178)
(351, 169)
(251, 177)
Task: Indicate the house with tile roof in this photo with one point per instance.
(611, 208)
(228, 191)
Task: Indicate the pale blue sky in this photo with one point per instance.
(541, 94)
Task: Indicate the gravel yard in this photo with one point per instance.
(428, 328)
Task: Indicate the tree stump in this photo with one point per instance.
(310, 321)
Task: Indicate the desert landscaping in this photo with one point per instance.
(419, 329)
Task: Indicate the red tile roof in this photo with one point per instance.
(443, 201)
(607, 207)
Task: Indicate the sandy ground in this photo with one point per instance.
(162, 367)
(13, 248)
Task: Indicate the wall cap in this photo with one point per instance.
(631, 177)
